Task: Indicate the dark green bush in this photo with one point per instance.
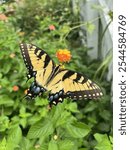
(82, 125)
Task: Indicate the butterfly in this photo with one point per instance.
(48, 76)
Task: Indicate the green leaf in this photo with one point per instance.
(42, 111)
(42, 128)
(53, 145)
(44, 146)
(33, 119)
(105, 114)
(103, 126)
(1, 75)
(90, 107)
(56, 113)
(63, 118)
(111, 139)
(66, 145)
(78, 129)
(5, 100)
(72, 107)
(14, 137)
(25, 144)
(3, 144)
(90, 27)
(23, 122)
(65, 29)
(103, 142)
(4, 123)
(41, 102)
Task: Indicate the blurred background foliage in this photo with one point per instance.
(81, 125)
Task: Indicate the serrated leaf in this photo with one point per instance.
(53, 145)
(23, 122)
(14, 137)
(42, 128)
(3, 144)
(42, 111)
(4, 123)
(66, 145)
(25, 144)
(103, 142)
(41, 102)
(33, 119)
(63, 118)
(72, 107)
(78, 129)
(44, 146)
(56, 113)
(5, 100)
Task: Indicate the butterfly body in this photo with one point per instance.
(60, 82)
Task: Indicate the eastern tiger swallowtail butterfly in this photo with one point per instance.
(48, 76)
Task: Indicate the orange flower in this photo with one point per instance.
(15, 88)
(52, 27)
(63, 55)
(3, 17)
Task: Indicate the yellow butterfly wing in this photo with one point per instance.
(74, 85)
(38, 63)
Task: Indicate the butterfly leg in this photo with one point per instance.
(34, 90)
(56, 97)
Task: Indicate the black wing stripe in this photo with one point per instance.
(67, 75)
(78, 77)
(40, 54)
(47, 60)
(36, 50)
(84, 80)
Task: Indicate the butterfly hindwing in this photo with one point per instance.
(74, 85)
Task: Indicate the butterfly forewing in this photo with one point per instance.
(37, 60)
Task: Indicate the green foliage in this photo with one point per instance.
(82, 125)
(103, 142)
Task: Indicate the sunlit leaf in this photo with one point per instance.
(66, 145)
(78, 129)
(42, 128)
(14, 137)
(103, 142)
(53, 145)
